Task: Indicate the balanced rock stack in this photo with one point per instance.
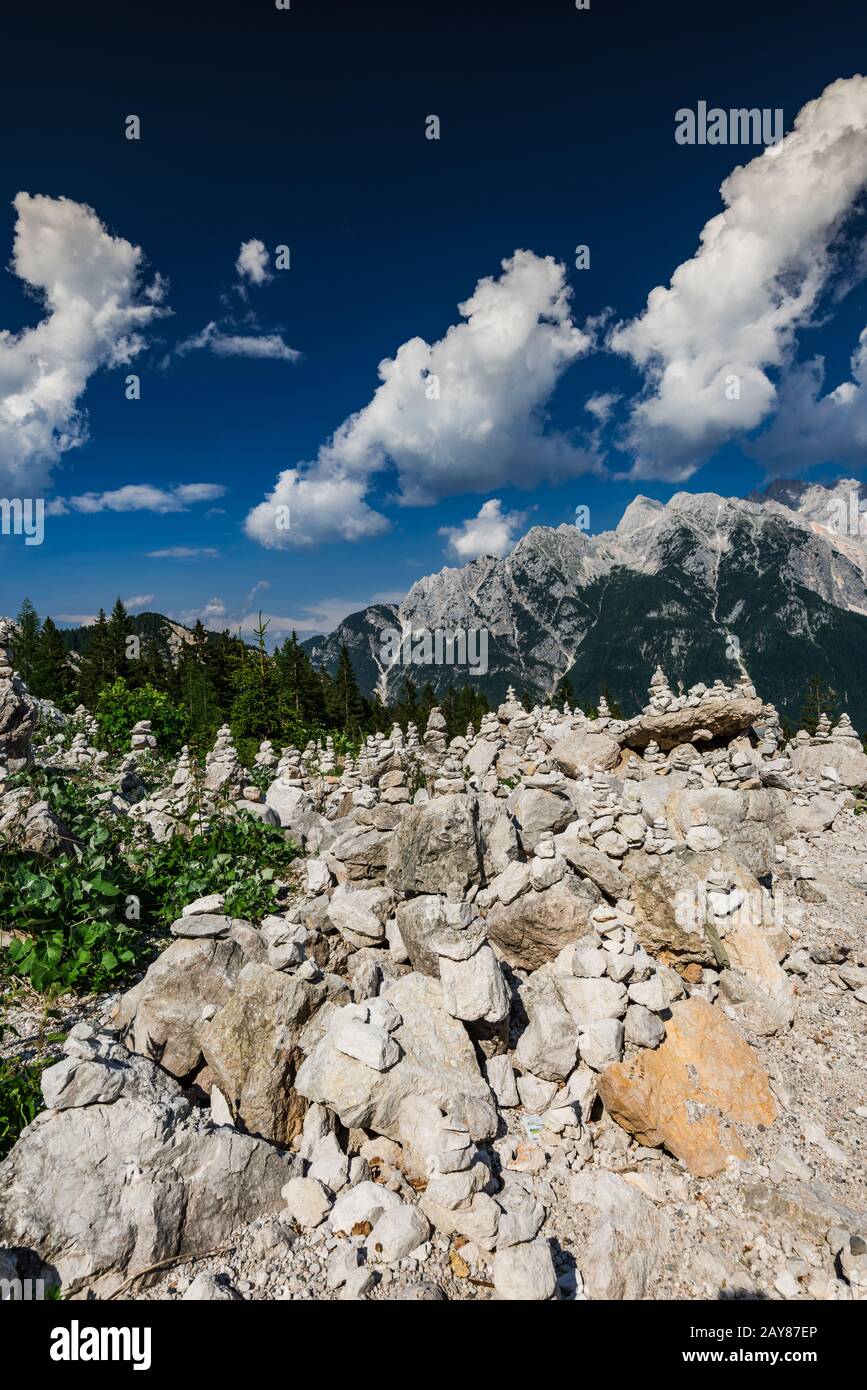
(143, 738)
(17, 711)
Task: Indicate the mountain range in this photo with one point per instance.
(773, 586)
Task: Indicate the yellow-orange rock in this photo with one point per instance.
(689, 1093)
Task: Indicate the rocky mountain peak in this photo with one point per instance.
(704, 585)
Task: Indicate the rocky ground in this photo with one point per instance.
(562, 1009)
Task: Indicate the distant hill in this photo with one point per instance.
(169, 635)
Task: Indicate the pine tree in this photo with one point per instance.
(222, 656)
(119, 629)
(153, 669)
(96, 666)
(195, 691)
(819, 698)
(406, 710)
(26, 645)
(53, 677)
(348, 707)
(303, 689)
(565, 693)
(461, 707)
(259, 709)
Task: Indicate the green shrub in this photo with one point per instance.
(91, 914)
(71, 906)
(20, 1099)
(240, 857)
(118, 709)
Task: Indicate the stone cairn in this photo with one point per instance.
(17, 711)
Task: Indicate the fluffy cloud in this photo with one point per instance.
(199, 492)
(228, 344)
(252, 263)
(95, 315)
(304, 511)
(490, 532)
(139, 497)
(465, 413)
(213, 615)
(138, 601)
(733, 310)
(814, 428)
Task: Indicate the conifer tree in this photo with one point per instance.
(819, 698)
(26, 645)
(53, 677)
(154, 669)
(259, 709)
(192, 683)
(96, 665)
(118, 630)
(302, 687)
(565, 693)
(348, 707)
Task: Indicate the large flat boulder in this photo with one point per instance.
(252, 1049)
(581, 752)
(481, 757)
(535, 927)
(537, 809)
(430, 927)
(293, 808)
(101, 1191)
(629, 1238)
(845, 755)
(360, 914)
(437, 848)
(592, 863)
(164, 1016)
(691, 1092)
(703, 722)
(361, 851)
(670, 893)
(752, 823)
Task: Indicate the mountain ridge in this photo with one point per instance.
(773, 586)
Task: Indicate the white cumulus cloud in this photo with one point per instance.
(252, 262)
(306, 510)
(95, 313)
(465, 413)
(707, 342)
(814, 426)
(491, 532)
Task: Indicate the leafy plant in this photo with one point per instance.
(240, 857)
(71, 906)
(118, 709)
(20, 1099)
(74, 909)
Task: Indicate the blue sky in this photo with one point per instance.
(306, 128)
